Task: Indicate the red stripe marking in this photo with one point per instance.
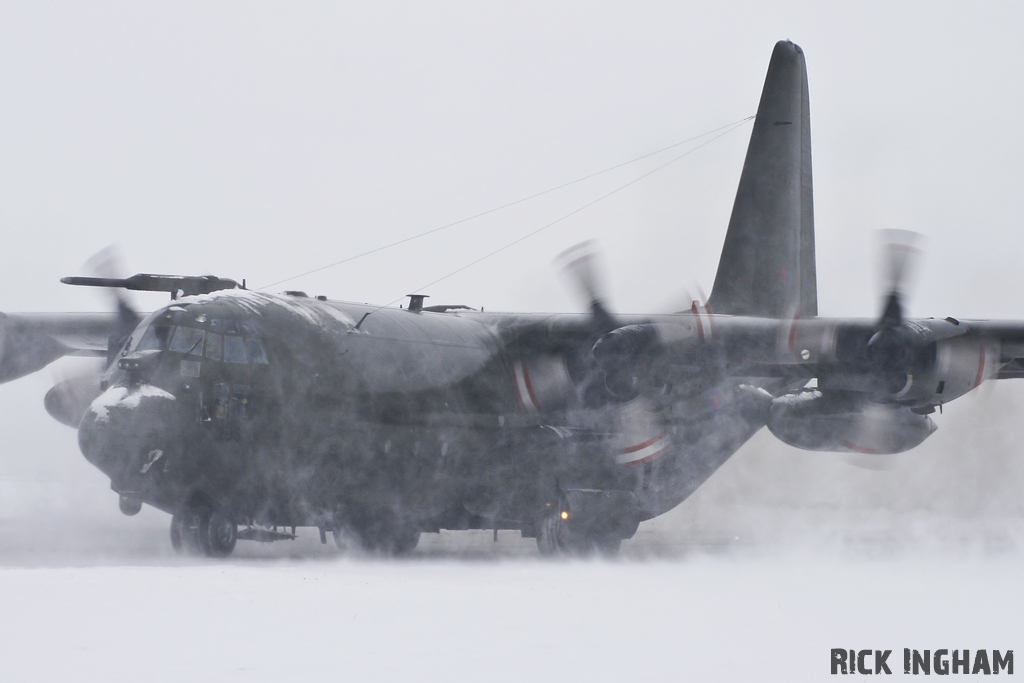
(582, 259)
(641, 461)
(645, 444)
(861, 449)
(792, 334)
(981, 366)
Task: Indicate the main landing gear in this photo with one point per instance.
(203, 530)
(557, 535)
(380, 534)
(561, 534)
(587, 521)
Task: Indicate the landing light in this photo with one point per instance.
(565, 515)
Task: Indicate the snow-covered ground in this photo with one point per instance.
(105, 599)
(461, 615)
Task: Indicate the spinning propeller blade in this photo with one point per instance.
(108, 263)
(900, 249)
(579, 263)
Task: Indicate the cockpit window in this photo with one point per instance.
(234, 349)
(214, 346)
(154, 339)
(257, 354)
(188, 340)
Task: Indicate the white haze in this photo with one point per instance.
(261, 140)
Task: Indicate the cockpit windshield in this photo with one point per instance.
(155, 338)
(188, 340)
(257, 354)
(228, 341)
(234, 349)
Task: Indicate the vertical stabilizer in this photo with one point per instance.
(767, 265)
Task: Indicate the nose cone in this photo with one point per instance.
(122, 430)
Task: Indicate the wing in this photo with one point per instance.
(31, 341)
(920, 363)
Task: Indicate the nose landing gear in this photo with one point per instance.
(203, 530)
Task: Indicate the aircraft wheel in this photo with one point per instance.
(218, 534)
(391, 541)
(403, 541)
(555, 536)
(184, 534)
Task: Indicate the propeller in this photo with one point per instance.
(891, 349)
(108, 263)
(897, 347)
(900, 249)
(580, 264)
(633, 422)
(71, 395)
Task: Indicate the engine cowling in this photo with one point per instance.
(961, 364)
(842, 422)
(542, 383)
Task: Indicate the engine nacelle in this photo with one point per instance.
(843, 423)
(542, 383)
(961, 364)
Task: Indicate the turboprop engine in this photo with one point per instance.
(844, 422)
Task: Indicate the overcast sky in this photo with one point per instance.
(262, 140)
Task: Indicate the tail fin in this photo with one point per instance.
(767, 265)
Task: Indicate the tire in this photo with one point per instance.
(391, 540)
(556, 536)
(218, 533)
(184, 534)
(552, 537)
(403, 542)
(343, 539)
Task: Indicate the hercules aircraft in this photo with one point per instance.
(245, 415)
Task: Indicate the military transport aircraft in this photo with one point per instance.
(245, 415)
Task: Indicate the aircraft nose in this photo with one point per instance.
(126, 430)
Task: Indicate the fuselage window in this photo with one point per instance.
(188, 340)
(155, 338)
(234, 349)
(257, 354)
(214, 346)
